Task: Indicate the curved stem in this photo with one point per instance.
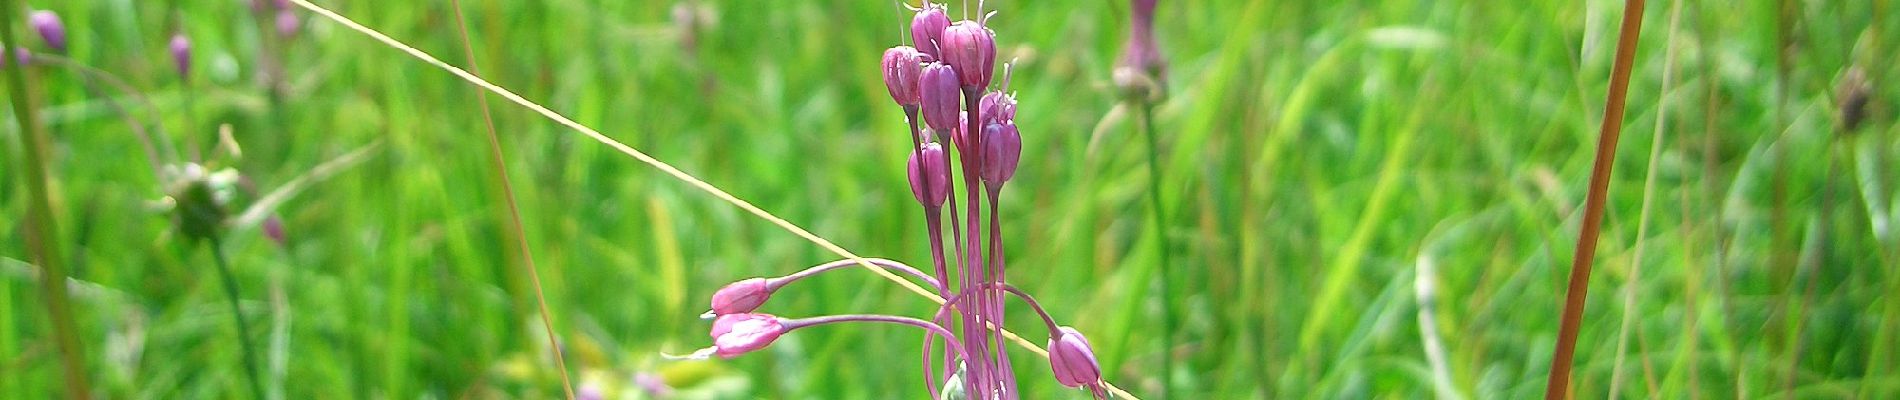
(244, 328)
(775, 283)
(795, 324)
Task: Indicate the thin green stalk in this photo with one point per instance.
(42, 230)
(1557, 387)
(1164, 256)
(500, 172)
(1632, 287)
(237, 314)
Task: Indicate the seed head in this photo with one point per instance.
(741, 297)
(736, 334)
(929, 177)
(926, 29)
(971, 49)
(902, 67)
(1073, 359)
(1002, 149)
(181, 54)
(937, 87)
(50, 29)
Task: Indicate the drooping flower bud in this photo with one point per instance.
(997, 108)
(971, 49)
(929, 179)
(1073, 360)
(736, 334)
(50, 29)
(274, 230)
(937, 88)
(926, 29)
(903, 65)
(1002, 149)
(181, 54)
(1141, 73)
(741, 297)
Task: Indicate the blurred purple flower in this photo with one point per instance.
(50, 29)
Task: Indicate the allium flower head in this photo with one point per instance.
(929, 175)
(1073, 359)
(903, 65)
(741, 297)
(1002, 149)
(180, 48)
(50, 29)
(1141, 73)
(970, 48)
(736, 334)
(926, 29)
(937, 87)
(287, 22)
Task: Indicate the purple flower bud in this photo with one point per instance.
(741, 297)
(1073, 359)
(181, 54)
(1002, 149)
(971, 50)
(736, 334)
(926, 29)
(997, 108)
(288, 23)
(47, 23)
(20, 55)
(929, 179)
(274, 230)
(902, 67)
(937, 87)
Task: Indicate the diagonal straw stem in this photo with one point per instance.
(668, 169)
(499, 162)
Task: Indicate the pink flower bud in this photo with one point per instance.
(274, 230)
(903, 65)
(926, 29)
(937, 87)
(736, 334)
(741, 297)
(181, 54)
(971, 50)
(929, 179)
(1073, 359)
(287, 23)
(1002, 149)
(997, 108)
(47, 23)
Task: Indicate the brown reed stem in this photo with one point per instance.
(500, 171)
(1610, 131)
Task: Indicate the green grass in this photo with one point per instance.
(1313, 153)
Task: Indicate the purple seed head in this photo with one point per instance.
(926, 29)
(1002, 149)
(735, 334)
(902, 67)
(50, 29)
(929, 175)
(741, 297)
(181, 54)
(1073, 360)
(940, 95)
(287, 22)
(971, 49)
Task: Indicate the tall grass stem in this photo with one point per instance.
(237, 315)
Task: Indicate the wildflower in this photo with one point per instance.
(287, 22)
(1073, 359)
(1140, 73)
(50, 29)
(929, 177)
(736, 334)
(971, 49)
(937, 88)
(902, 67)
(741, 297)
(997, 108)
(180, 48)
(1002, 149)
(926, 29)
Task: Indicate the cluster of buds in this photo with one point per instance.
(942, 82)
(51, 30)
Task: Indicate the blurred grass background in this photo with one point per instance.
(1306, 144)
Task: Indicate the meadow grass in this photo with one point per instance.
(1310, 151)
